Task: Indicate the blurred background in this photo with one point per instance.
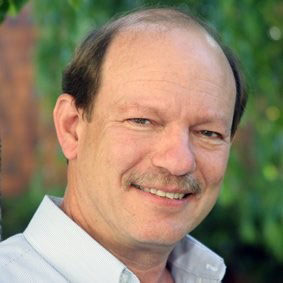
(37, 39)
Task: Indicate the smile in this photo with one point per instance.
(160, 193)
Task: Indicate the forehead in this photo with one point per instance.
(161, 47)
(176, 60)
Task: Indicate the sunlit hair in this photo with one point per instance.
(82, 77)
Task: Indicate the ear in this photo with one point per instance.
(66, 118)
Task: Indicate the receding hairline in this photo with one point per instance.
(82, 77)
(161, 18)
(138, 26)
(133, 22)
(165, 16)
(126, 38)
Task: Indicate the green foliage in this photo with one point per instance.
(4, 7)
(11, 7)
(17, 211)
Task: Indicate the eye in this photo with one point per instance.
(140, 121)
(211, 134)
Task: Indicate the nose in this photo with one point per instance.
(175, 153)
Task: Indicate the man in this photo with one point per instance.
(150, 105)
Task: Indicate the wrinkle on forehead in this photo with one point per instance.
(143, 37)
(175, 56)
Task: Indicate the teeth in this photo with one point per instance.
(162, 193)
(170, 195)
(153, 191)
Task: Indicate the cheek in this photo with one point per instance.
(212, 165)
(124, 150)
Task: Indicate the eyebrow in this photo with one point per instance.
(209, 118)
(136, 106)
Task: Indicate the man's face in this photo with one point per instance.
(150, 163)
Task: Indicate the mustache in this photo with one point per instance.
(186, 183)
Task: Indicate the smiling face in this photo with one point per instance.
(150, 163)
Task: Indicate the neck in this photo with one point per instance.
(147, 262)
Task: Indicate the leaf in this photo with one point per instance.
(4, 7)
(16, 5)
(75, 3)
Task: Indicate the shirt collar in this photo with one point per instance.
(69, 249)
(190, 259)
(78, 257)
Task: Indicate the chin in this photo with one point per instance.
(160, 237)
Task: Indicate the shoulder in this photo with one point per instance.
(19, 262)
(13, 250)
(193, 258)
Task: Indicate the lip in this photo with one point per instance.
(163, 201)
(165, 189)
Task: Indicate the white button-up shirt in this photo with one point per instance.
(53, 248)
